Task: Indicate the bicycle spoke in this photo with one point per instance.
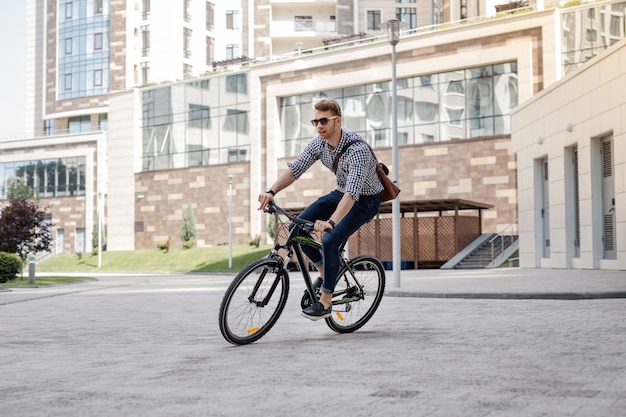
(357, 295)
(253, 302)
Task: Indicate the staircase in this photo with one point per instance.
(486, 255)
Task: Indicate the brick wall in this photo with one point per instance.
(162, 199)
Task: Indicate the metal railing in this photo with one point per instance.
(510, 231)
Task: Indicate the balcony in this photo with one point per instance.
(303, 28)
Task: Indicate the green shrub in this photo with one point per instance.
(188, 231)
(255, 241)
(10, 266)
(164, 246)
(188, 244)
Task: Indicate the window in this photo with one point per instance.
(145, 10)
(232, 20)
(592, 35)
(373, 20)
(145, 39)
(303, 23)
(615, 28)
(236, 121)
(187, 70)
(455, 86)
(97, 77)
(186, 10)
(455, 116)
(187, 42)
(68, 82)
(408, 16)
(79, 124)
(232, 51)
(68, 46)
(463, 10)
(591, 14)
(97, 6)
(210, 50)
(237, 83)
(68, 10)
(210, 15)
(145, 72)
(199, 116)
(97, 41)
(48, 127)
(236, 155)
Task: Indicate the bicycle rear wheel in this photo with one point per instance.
(253, 301)
(357, 295)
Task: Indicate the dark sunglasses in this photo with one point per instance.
(323, 121)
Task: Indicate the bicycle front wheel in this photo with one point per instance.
(253, 301)
(357, 294)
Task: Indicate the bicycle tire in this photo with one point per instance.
(352, 308)
(243, 320)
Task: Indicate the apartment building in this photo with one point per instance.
(131, 124)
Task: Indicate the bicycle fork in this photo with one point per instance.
(257, 285)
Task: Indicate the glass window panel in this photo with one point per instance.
(353, 112)
(376, 110)
(61, 178)
(426, 111)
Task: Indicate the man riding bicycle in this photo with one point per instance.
(354, 202)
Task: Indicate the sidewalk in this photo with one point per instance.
(150, 345)
(509, 283)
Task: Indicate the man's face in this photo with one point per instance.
(331, 128)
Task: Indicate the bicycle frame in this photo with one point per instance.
(293, 246)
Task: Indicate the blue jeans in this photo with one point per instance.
(361, 212)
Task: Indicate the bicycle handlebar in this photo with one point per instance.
(272, 208)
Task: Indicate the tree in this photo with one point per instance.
(24, 227)
(188, 231)
(94, 238)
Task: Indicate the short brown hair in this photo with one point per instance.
(328, 105)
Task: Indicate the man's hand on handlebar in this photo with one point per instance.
(265, 199)
(322, 226)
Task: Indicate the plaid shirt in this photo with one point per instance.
(356, 170)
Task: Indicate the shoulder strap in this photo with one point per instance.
(345, 148)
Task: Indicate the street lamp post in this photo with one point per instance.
(230, 222)
(393, 36)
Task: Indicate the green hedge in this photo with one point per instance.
(10, 266)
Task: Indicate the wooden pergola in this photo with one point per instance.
(431, 231)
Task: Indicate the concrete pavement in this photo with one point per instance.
(509, 283)
(149, 345)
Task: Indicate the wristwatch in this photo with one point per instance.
(270, 191)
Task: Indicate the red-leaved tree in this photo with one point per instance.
(24, 227)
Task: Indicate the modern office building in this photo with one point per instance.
(570, 141)
(128, 126)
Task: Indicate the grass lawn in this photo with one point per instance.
(41, 281)
(212, 259)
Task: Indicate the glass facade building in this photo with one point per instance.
(47, 178)
(470, 103)
(83, 49)
(204, 122)
(590, 30)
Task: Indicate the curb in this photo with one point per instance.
(511, 296)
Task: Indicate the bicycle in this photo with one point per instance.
(258, 294)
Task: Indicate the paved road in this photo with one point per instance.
(150, 346)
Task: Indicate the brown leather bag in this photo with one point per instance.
(390, 190)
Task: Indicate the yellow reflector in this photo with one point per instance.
(253, 330)
(339, 316)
